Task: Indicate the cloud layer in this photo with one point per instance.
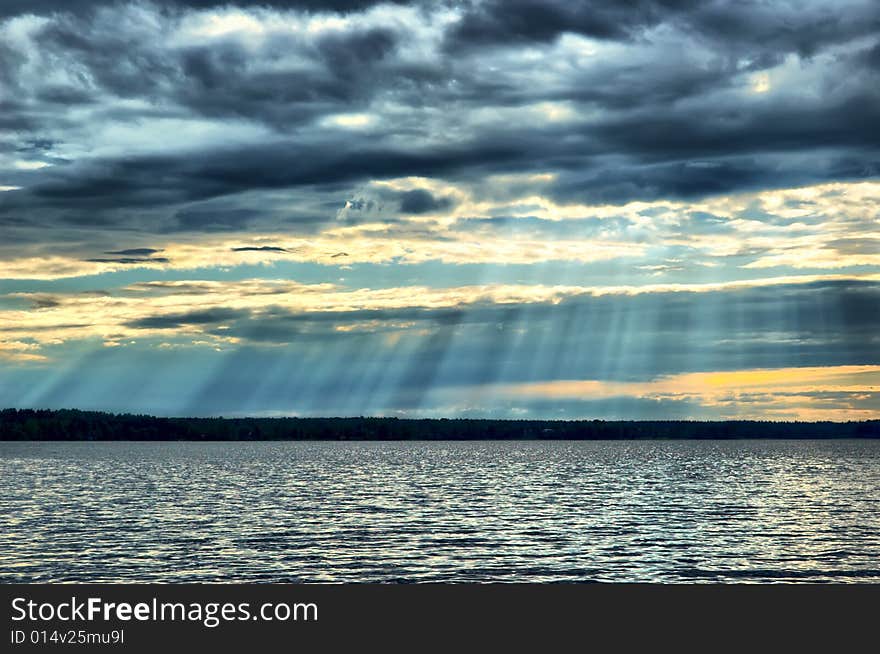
(416, 197)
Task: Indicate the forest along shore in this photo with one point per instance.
(74, 425)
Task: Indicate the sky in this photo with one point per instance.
(655, 209)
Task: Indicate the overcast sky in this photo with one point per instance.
(517, 208)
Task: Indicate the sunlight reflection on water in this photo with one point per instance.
(441, 511)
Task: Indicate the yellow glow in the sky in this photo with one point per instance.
(778, 393)
(221, 24)
(713, 384)
(760, 83)
(348, 121)
(31, 165)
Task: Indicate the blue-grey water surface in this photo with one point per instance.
(668, 511)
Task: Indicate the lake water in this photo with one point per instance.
(668, 511)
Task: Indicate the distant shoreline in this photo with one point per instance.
(75, 425)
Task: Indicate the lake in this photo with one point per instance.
(526, 511)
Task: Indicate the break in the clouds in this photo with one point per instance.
(519, 208)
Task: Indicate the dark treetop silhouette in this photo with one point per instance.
(67, 425)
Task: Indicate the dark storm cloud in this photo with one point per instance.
(768, 30)
(224, 78)
(669, 115)
(219, 81)
(871, 56)
(803, 28)
(721, 155)
(506, 21)
(208, 220)
(421, 201)
(714, 150)
(15, 7)
(731, 131)
(154, 180)
(188, 319)
(666, 153)
(681, 180)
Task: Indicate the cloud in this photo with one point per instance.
(803, 393)
(131, 256)
(187, 319)
(759, 28)
(135, 252)
(420, 201)
(43, 301)
(261, 248)
(470, 193)
(628, 132)
(129, 260)
(634, 331)
(826, 227)
(15, 7)
(502, 22)
(19, 352)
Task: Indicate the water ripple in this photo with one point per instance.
(739, 511)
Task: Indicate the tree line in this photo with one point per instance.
(74, 425)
